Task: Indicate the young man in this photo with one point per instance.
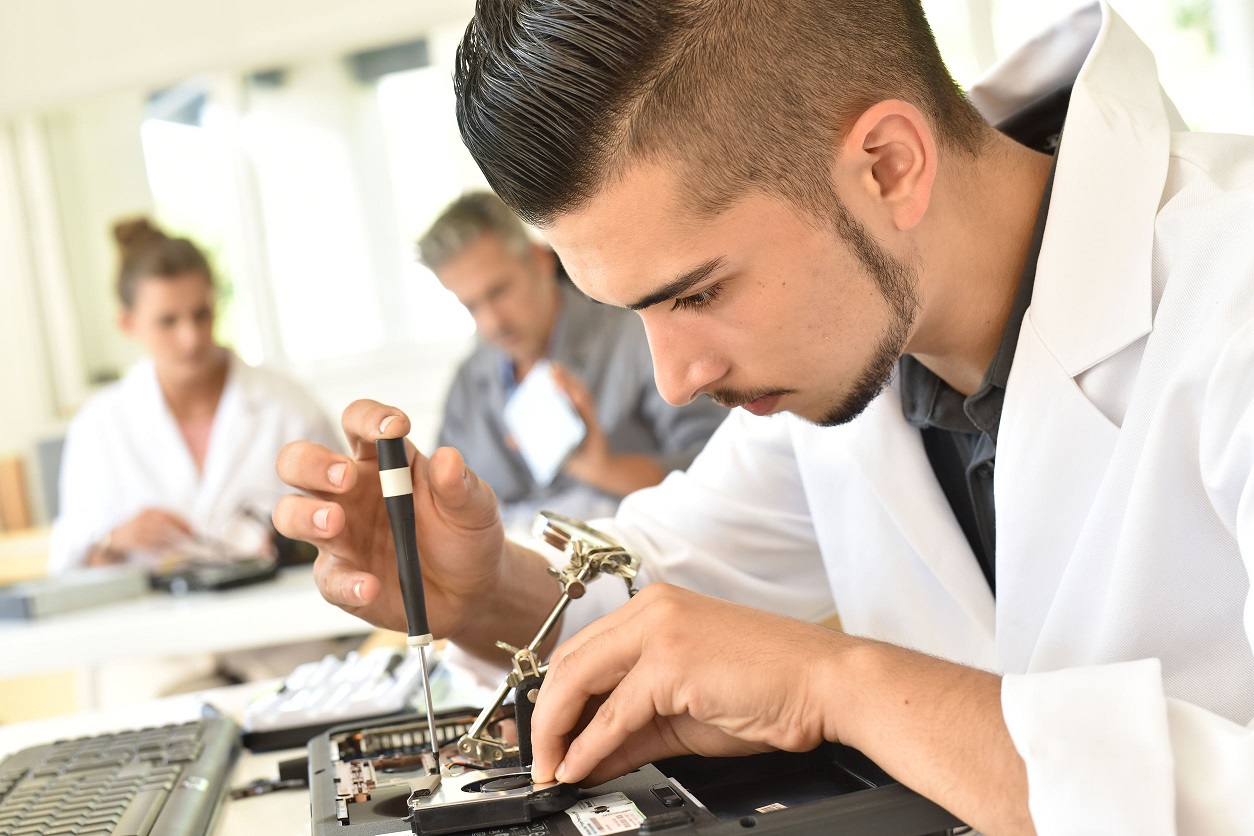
(794, 196)
(524, 313)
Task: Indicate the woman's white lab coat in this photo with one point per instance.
(1125, 499)
(124, 453)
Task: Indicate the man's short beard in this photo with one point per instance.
(897, 283)
(873, 379)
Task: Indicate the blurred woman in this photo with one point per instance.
(180, 451)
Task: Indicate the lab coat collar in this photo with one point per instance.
(252, 390)
(1112, 165)
(243, 395)
(146, 407)
(890, 454)
(1093, 297)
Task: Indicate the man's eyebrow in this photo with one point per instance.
(679, 286)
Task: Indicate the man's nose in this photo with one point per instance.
(487, 320)
(189, 334)
(682, 367)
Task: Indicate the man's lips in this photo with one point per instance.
(762, 406)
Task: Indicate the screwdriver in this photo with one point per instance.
(398, 493)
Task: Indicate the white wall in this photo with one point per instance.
(74, 77)
(98, 171)
(26, 398)
(57, 51)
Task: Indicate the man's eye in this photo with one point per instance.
(699, 300)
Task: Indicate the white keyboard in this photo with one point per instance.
(318, 695)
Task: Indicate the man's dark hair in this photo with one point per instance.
(557, 97)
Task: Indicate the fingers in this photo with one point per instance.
(152, 528)
(576, 392)
(342, 584)
(174, 524)
(596, 666)
(308, 518)
(314, 469)
(628, 709)
(652, 742)
(366, 421)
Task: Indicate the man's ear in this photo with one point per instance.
(126, 321)
(893, 157)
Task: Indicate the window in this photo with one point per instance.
(194, 195)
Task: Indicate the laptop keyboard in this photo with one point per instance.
(147, 782)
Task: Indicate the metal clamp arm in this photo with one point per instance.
(589, 554)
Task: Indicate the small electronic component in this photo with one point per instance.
(424, 786)
(261, 786)
(396, 761)
(590, 554)
(355, 780)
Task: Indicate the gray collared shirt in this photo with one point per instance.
(607, 349)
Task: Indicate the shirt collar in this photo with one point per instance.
(927, 401)
(505, 364)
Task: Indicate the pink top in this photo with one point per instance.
(196, 434)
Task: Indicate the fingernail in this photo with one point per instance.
(559, 774)
(336, 473)
(384, 426)
(357, 590)
(320, 518)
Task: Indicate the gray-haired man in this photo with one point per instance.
(524, 312)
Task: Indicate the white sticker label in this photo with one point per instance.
(771, 808)
(613, 813)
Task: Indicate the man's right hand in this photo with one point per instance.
(460, 538)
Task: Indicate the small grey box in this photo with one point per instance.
(71, 591)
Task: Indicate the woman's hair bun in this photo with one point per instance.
(135, 234)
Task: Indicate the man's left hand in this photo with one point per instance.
(674, 672)
(593, 462)
(593, 453)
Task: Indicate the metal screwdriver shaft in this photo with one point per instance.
(398, 492)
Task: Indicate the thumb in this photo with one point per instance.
(458, 491)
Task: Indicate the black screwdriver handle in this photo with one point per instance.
(398, 496)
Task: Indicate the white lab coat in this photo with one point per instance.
(124, 453)
(1125, 503)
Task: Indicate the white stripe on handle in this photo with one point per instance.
(396, 482)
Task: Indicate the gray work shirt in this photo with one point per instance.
(607, 349)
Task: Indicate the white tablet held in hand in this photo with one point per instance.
(543, 422)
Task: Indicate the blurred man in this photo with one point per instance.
(524, 313)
